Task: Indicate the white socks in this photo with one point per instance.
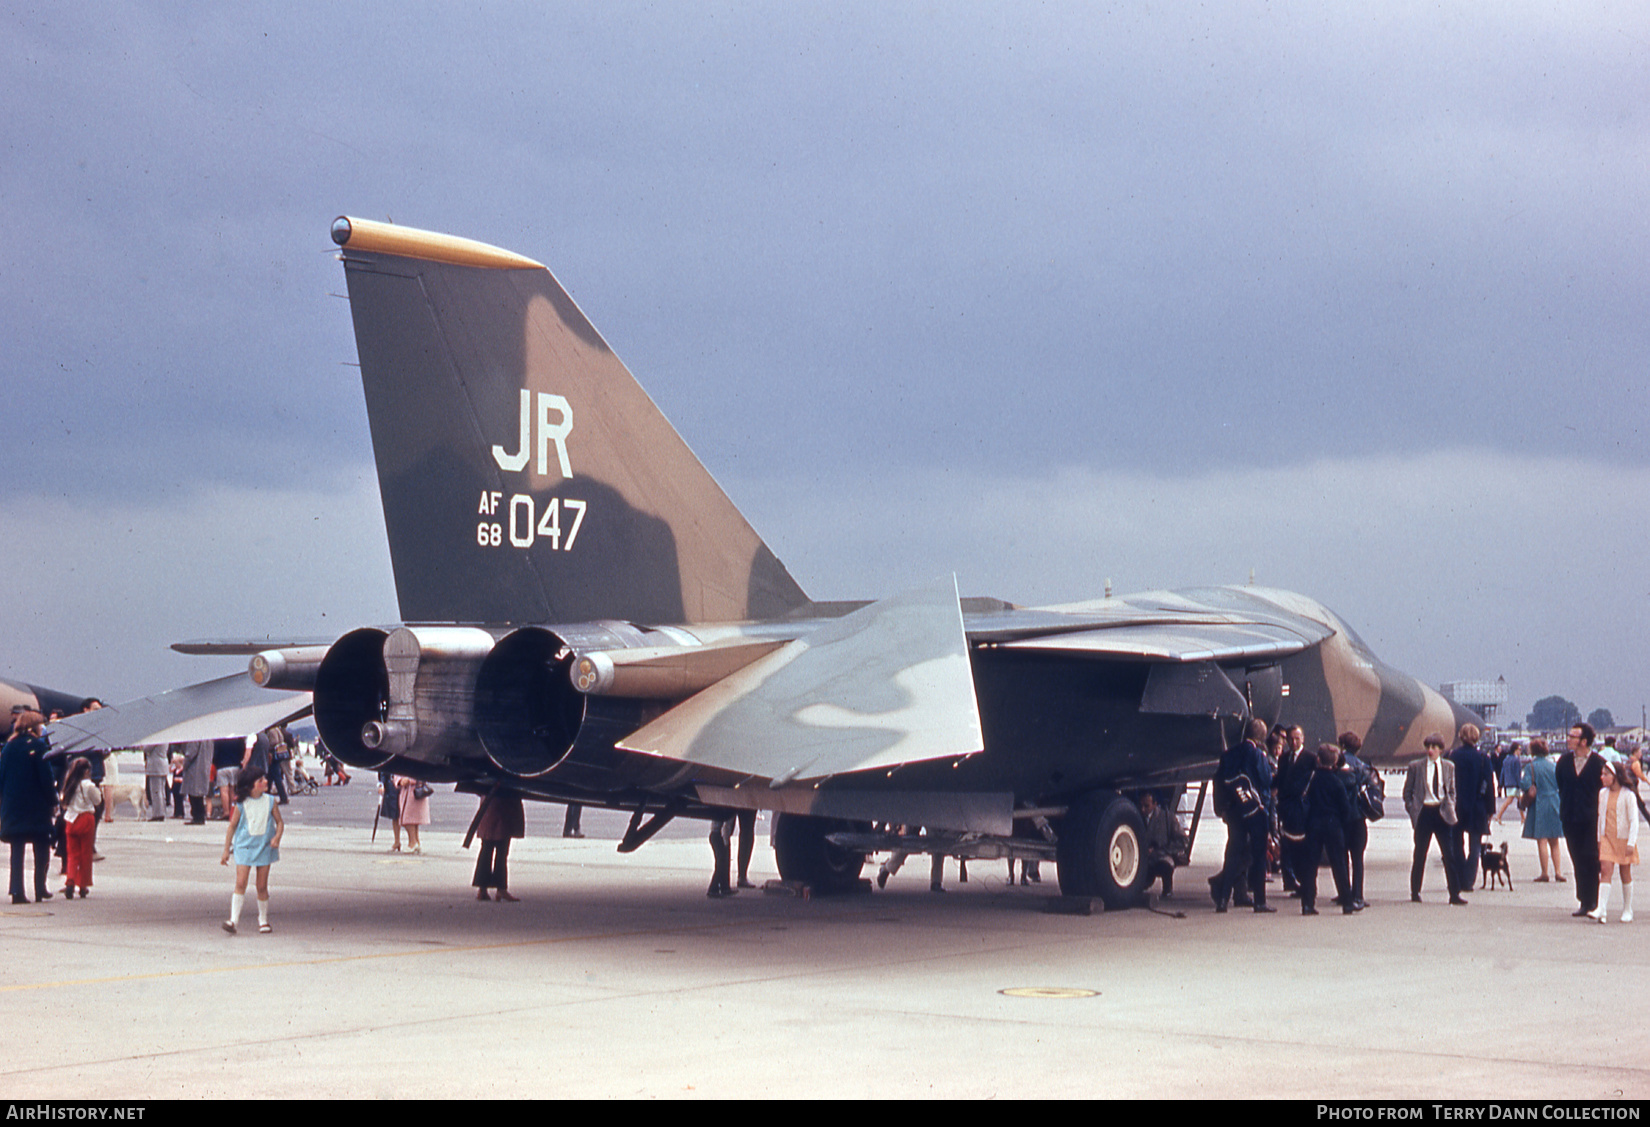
(237, 901)
(1605, 895)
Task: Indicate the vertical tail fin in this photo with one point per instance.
(525, 475)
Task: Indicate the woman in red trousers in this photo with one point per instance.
(80, 797)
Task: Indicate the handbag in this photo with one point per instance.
(1243, 798)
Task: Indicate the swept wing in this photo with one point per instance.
(221, 709)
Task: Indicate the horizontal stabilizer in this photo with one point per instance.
(212, 710)
(885, 685)
(245, 647)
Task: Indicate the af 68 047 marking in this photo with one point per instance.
(523, 530)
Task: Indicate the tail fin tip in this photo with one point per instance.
(431, 246)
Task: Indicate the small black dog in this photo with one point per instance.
(1494, 864)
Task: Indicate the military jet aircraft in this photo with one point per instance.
(588, 618)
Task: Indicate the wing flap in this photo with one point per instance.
(888, 684)
(1178, 641)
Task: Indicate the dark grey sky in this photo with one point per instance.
(1354, 300)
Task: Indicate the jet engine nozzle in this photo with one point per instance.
(406, 693)
(352, 689)
(527, 712)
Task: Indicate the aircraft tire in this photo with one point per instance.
(1101, 850)
(803, 854)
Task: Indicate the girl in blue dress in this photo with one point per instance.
(254, 837)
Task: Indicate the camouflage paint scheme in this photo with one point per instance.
(43, 701)
(448, 354)
(589, 617)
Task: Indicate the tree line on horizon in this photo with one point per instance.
(1555, 714)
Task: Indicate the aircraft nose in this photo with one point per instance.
(1438, 717)
(1410, 711)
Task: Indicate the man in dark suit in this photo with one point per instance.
(1291, 786)
(1474, 800)
(1430, 797)
(1579, 774)
(1285, 746)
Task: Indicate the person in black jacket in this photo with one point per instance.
(1282, 751)
(1292, 782)
(1355, 774)
(227, 757)
(1579, 775)
(28, 801)
(1243, 789)
(1328, 809)
(1474, 800)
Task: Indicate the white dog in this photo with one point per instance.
(117, 790)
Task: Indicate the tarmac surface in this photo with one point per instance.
(615, 976)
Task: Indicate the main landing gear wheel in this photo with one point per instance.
(803, 854)
(1100, 851)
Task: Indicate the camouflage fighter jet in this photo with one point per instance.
(588, 618)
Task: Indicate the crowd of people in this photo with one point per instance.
(1585, 797)
(1300, 811)
(53, 803)
(1306, 808)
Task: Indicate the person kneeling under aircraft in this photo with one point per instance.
(1165, 843)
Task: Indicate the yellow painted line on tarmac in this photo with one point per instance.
(1049, 992)
(431, 950)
